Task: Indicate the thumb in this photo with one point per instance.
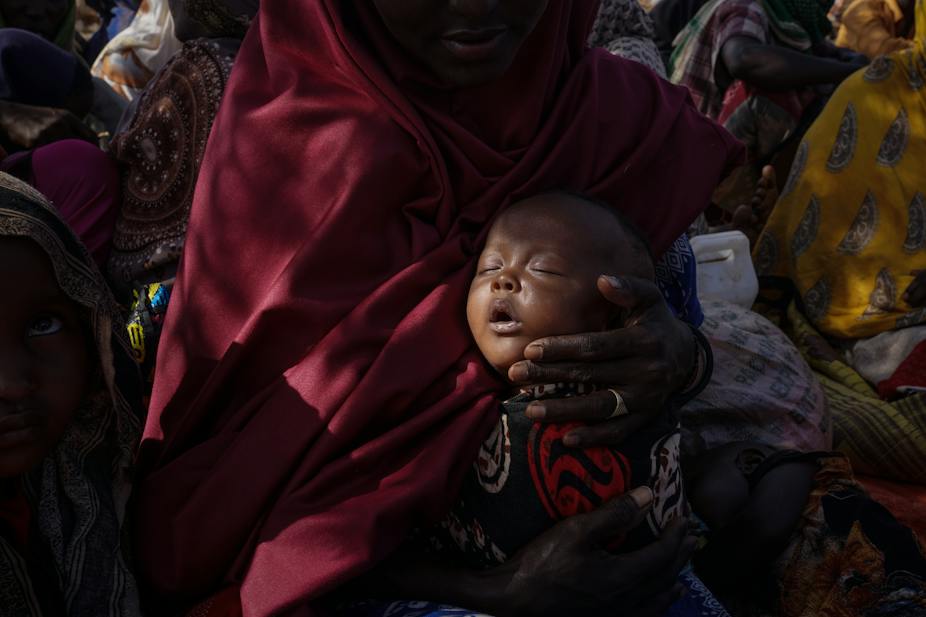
(629, 292)
(618, 516)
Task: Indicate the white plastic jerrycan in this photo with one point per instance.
(725, 270)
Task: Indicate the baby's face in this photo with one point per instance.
(44, 357)
(537, 277)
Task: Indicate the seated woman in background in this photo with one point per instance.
(753, 66)
(848, 235)
(81, 181)
(53, 21)
(348, 184)
(159, 152)
(69, 421)
(45, 92)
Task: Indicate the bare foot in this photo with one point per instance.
(750, 218)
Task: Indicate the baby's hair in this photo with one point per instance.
(636, 234)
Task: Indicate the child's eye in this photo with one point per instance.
(544, 270)
(489, 268)
(45, 326)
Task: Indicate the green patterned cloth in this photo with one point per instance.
(799, 24)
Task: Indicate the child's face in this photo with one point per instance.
(44, 357)
(537, 276)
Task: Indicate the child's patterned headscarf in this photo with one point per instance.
(78, 493)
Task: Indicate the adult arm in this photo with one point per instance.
(565, 571)
(772, 67)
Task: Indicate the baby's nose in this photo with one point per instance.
(504, 282)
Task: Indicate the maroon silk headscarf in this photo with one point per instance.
(317, 389)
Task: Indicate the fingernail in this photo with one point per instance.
(533, 352)
(572, 441)
(517, 372)
(615, 282)
(536, 411)
(642, 496)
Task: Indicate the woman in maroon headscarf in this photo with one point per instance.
(318, 393)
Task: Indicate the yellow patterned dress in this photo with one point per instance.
(850, 226)
(844, 239)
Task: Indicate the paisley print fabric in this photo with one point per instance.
(864, 177)
(895, 142)
(916, 70)
(883, 296)
(161, 152)
(797, 168)
(863, 228)
(817, 299)
(766, 255)
(844, 146)
(807, 229)
(916, 225)
(879, 69)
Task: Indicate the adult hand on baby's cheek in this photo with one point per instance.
(646, 361)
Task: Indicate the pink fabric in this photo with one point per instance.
(83, 183)
(910, 375)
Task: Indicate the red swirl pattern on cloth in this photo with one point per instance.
(573, 481)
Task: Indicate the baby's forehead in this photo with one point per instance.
(573, 225)
(557, 220)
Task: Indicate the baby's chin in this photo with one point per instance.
(503, 360)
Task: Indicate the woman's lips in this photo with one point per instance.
(474, 45)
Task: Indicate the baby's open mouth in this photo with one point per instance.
(502, 319)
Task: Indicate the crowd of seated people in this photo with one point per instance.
(388, 308)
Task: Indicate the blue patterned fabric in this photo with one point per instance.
(698, 603)
(677, 278)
